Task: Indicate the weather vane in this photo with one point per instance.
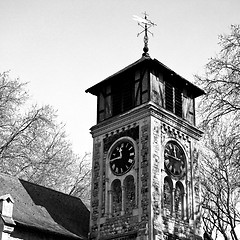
(145, 23)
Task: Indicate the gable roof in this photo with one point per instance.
(44, 209)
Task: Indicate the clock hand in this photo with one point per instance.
(114, 159)
(174, 150)
(172, 157)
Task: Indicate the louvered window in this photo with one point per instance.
(178, 102)
(122, 97)
(169, 96)
(173, 99)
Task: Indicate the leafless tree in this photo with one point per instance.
(220, 179)
(33, 145)
(220, 167)
(79, 184)
(222, 79)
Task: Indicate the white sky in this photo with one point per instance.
(63, 47)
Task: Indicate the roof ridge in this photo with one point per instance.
(51, 189)
(39, 185)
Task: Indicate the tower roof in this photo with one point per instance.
(195, 91)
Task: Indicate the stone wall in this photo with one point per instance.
(148, 218)
(170, 225)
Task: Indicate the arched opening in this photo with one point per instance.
(116, 197)
(167, 195)
(178, 200)
(129, 198)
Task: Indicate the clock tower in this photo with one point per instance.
(145, 159)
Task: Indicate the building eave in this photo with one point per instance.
(63, 233)
(195, 91)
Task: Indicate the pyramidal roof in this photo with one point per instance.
(196, 91)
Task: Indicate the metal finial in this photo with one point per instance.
(145, 23)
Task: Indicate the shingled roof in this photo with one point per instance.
(46, 210)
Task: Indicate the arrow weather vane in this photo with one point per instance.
(145, 23)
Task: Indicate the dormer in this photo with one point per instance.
(145, 81)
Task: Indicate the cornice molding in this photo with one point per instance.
(178, 123)
(132, 117)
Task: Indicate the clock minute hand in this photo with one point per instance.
(174, 158)
(114, 159)
(117, 158)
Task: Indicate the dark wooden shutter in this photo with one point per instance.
(169, 96)
(178, 102)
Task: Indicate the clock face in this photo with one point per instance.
(122, 157)
(174, 159)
